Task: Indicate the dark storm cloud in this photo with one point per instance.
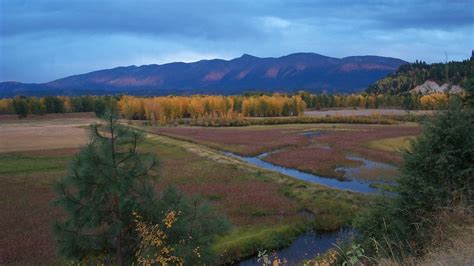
(221, 19)
(393, 14)
(42, 40)
(206, 19)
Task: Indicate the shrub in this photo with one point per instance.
(438, 172)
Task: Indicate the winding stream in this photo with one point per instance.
(350, 185)
(310, 244)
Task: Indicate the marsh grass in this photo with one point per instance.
(16, 163)
(397, 144)
(243, 243)
(385, 187)
(264, 206)
(330, 208)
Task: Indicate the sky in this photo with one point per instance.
(45, 40)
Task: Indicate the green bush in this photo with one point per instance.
(438, 172)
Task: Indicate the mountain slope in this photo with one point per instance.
(289, 73)
(413, 77)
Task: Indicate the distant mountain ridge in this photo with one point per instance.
(309, 71)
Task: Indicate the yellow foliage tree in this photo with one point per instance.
(153, 247)
(434, 101)
(6, 106)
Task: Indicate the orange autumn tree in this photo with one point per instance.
(166, 109)
(434, 101)
(131, 107)
(153, 247)
(275, 105)
(6, 106)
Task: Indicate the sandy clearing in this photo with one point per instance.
(44, 137)
(366, 112)
(60, 116)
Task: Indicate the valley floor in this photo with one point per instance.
(267, 209)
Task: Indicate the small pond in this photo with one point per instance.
(311, 134)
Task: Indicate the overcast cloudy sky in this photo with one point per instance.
(45, 40)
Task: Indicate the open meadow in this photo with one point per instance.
(267, 209)
(278, 185)
(321, 149)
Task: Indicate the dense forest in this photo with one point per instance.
(409, 76)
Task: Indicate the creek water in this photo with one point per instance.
(310, 244)
(305, 247)
(379, 172)
(350, 185)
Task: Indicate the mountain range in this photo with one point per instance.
(300, 71)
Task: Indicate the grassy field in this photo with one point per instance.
(267, 209)
(391, 144)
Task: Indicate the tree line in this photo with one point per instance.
(169, 108)
(163, 109)
(23, 106)
(410, 101)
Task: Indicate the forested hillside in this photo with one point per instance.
(408, 76)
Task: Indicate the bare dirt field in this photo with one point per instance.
(61, 116)
(59, 132)
(366, 112)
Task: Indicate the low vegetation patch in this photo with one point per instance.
(236, 122)
(397, 144)
(243, 243)
(15, 163)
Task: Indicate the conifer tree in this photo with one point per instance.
(20, 106)
(107, 182)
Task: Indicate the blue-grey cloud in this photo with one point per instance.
(44, 40)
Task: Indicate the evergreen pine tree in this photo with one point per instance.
(107, 182)
(20, 106)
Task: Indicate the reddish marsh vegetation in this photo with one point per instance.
(27, 215)
(25, 223)
(247, 141)
(319, 153)
(245, 198)
(341, 143)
